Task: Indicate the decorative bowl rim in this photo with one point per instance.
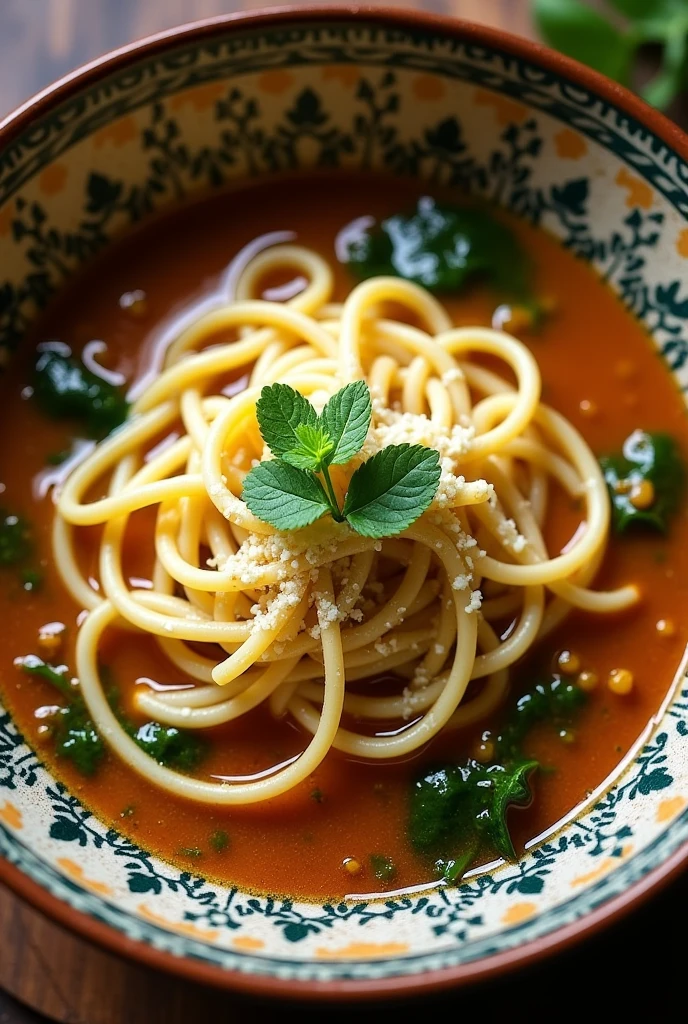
(621, 98)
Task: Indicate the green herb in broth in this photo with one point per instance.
(173, 748)
(383, 868)
(458, 810)
(555, 701)
(219, 841)
(66, 389)
(15, 538)
(77, 739)
(31, 580)
(57, 458)
(646, 481)
(16, 547)
(74, 734)
(442, 248)
(192, 852)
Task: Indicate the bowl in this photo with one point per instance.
(402, 93)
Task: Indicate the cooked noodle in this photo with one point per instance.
(251, 616)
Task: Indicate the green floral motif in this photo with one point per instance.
(18, 763)
(307, 119)
(452, 913)
(440, 155)
(252, 51)
(679, 711)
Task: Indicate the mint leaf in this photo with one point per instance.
(284, 496)
(280, 409)
(313, 446)
(669, 81)
(392, 489)
(346, 418)
(582, 33)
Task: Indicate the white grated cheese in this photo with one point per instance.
(462, 582)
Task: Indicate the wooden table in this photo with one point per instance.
(637, 961)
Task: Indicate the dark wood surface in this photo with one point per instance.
(632, 967)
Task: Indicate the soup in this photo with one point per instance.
(373, 683)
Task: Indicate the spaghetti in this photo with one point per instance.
(308, 621)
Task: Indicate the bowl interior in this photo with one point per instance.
(213, 108)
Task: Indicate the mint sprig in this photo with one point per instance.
(386, 494)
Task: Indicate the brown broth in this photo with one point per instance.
(589, 350)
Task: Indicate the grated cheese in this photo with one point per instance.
(475, 602)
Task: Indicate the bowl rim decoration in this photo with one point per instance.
(465, 32)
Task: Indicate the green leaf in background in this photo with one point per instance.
(672, 76)
(346, 417)
(392, 489)
(580, 32)
(641, 9)
(280, 409)
(573, 27)
(284, 496)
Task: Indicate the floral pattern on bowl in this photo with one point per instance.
(257, 100)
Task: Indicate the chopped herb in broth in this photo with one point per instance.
(556, 702)
(77, 738)
(442, 248)
(459, 812)
(383, 868)
(171, 747)
(72, 731)
(646, 481)
(16, 542)
(64, 388)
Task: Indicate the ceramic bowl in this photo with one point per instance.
(445, 101)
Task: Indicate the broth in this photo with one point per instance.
(599, 369)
